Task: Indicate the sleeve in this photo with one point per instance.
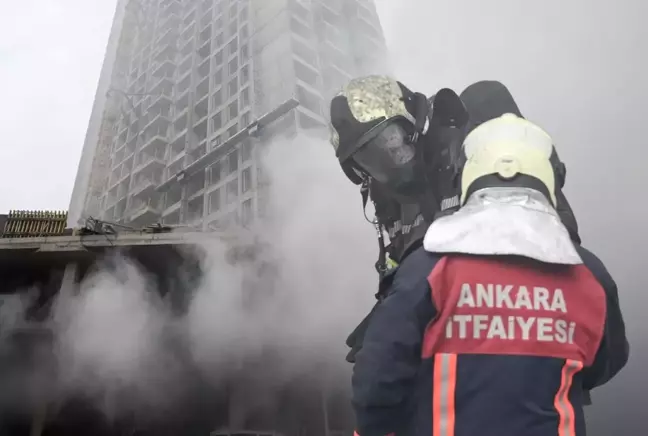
(386, 367)
(614, 350)
(356, 338)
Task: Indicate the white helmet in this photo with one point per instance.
(509, 150)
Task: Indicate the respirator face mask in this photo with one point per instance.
(390, 158)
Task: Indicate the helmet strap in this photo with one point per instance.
(381, 264)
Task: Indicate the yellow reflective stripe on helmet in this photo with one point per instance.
(370, 98)
(374, 97)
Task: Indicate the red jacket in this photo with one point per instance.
(477, 345)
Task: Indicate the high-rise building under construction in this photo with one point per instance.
(189, 90)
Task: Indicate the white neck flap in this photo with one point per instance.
(504, 221)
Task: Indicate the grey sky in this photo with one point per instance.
(577, 67)
(50, 56)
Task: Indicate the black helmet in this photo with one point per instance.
(382, 112)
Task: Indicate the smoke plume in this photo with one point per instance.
(308, 284)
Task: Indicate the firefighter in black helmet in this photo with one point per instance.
(398, 145)
(387, 139)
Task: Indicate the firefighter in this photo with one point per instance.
(387, 140)
(376, 121)
(488, 99)
(499, 323)
(398, 146)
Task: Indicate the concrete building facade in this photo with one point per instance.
(175, 132)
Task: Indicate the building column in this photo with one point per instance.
(39, 417)
(184, 205)
(69, 283)
(325, 412)
(236, 404)
(206, 185)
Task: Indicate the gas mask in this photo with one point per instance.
(403, 182)
(391, 159)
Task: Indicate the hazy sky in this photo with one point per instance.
(577, 67)
(51, 53)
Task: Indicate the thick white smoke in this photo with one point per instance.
(12, 309)
(316, 236)
(111, 338)
(116, 334)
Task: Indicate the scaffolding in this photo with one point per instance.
(28, 224)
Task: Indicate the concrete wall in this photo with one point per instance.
(83, 179)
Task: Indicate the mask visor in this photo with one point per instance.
(388, 155)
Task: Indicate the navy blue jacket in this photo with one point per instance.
(477, 345)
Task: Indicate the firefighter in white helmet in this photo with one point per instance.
(500, 322)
